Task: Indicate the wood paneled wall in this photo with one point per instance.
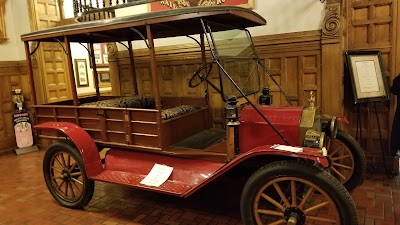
(372, 25)
(51, 78)
(13, 75)
(48, 60)
(293, 59)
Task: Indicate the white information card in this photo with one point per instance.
(287, 148)
(158, 175)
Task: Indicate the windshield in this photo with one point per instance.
(235, 52)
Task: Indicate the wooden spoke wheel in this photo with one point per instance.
(347, 159)
(65, 175)
(292, 192)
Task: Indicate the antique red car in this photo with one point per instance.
(150, 137)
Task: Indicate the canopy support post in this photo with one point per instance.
(71, 71)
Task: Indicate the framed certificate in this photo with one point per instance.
(100, 55)
(81, 72)
(367, 76)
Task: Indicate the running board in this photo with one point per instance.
(129, 168)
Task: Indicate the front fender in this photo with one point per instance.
(83, 142)
(314, 154)
(308, 153)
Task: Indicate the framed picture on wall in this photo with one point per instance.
(81, 72)
(367, 76)
(104, 76)
(100, 55)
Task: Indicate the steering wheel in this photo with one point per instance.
(198, 77)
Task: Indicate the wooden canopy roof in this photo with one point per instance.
(167, 23)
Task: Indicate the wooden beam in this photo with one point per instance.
(70, 70)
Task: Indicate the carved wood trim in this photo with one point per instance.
(331, 23)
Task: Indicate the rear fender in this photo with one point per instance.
(83, 142)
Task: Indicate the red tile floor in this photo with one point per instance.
(25, 200)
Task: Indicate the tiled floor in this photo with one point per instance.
(24, 200)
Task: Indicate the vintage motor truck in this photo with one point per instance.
(287, 150)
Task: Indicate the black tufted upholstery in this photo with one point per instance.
(143, 102)
(177, 111)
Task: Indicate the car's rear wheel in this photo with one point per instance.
(292, 192)
(65, 175)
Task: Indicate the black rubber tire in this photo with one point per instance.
(356, 150)
(87, 185)
(296, 169)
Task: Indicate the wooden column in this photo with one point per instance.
(3, 36)
(95, 74)
(30, 73)
(133, 68)
(113, 65)
(61, 8)
(154, 77)
(70, 70)
(332, 60)
(153, 68)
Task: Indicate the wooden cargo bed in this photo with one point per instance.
(137, 128)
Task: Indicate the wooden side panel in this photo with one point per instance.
(372, 25)
(168, 102)
(13, 75)
(188, 124)
(112, 126)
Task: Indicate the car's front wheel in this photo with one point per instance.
(293, 192)
(348, 163)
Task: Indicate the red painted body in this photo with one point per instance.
(189, 175)
(129, 167)
(308, 153)
(254, 131)
(83, 142)
(342, 119)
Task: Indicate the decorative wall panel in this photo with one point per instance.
(13, 75)
(372, 25)
(51, 78)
